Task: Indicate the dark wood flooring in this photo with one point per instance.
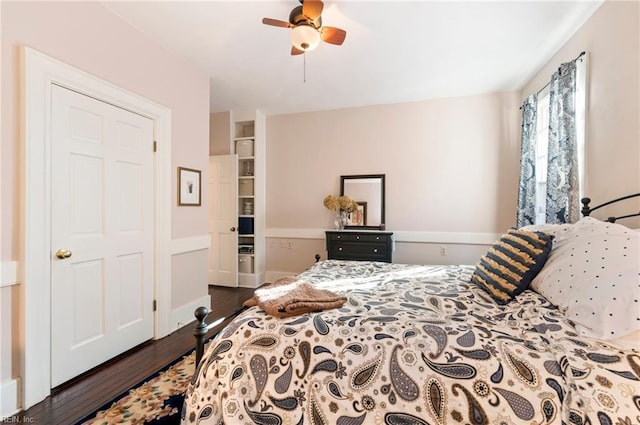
(75, 399)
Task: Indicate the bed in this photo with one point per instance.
(417, 344)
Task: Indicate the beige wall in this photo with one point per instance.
(90, 37)
(220, 133)
(449, 163)
(612, 39)
(451, 166)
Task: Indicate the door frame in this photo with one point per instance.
(39, 73)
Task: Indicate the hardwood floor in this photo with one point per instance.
(77, 398)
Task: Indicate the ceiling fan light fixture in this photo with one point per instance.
(305, 37)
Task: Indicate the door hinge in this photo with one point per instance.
(155, 146)
(155, 305)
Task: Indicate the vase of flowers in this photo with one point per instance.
(342, 206)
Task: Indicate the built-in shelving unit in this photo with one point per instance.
(248, 134)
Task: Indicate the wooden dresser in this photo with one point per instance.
(359, 245)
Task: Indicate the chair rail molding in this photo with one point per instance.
(463, 238)
(190, 244)
(8, 273)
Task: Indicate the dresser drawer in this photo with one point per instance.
(362, 246)
(358, 237)
(363, 251)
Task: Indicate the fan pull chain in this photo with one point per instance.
(304, 67)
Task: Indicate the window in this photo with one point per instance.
(542, 144)
(542, 138)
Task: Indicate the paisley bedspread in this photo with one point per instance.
(413, 345)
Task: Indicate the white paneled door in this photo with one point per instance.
(102, 232)
(223, 220)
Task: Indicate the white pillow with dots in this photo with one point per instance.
(593, 276)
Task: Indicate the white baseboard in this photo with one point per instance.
(8, 273)
(9, 404)
(250, 280)
(273, 275)
(458, 238)
(184, 314)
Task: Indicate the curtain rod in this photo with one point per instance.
(547, 85)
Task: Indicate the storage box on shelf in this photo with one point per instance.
(245, 264)
(245, 186)
(245, 226)
(244, 147)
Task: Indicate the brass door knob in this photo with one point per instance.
(63, 254)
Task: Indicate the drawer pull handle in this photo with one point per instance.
(358, 237)
(375, 250)
(377, 238)
(339, 236)
(340, 249)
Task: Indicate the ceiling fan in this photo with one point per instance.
(306, 27)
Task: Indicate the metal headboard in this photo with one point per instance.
(587, 210)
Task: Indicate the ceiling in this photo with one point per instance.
(395, 51)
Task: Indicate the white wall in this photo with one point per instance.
(90, 37)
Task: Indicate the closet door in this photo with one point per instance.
(101, 232)
(223, 220)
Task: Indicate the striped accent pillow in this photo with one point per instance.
(512, 263)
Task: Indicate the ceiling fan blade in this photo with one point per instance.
(296, 51)
(312, 9)
(275, 22)
(333, 35)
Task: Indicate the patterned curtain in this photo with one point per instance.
(562, 169)
(527, 189)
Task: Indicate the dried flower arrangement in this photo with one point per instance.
(342, 206)
(343, 203)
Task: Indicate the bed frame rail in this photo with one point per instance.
(202, 328)
(587, 210)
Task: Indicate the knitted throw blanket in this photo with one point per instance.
(288, 297)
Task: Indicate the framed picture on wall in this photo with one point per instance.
(188, 187)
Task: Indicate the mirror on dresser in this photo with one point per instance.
(368, 191)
